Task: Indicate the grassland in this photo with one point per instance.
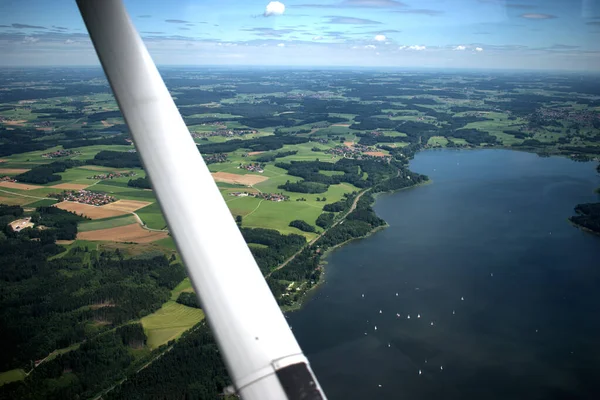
(169, 322)
(12, 376)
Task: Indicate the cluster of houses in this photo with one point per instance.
(83, 196)
(224, 132)
(60, 153)
(359, 152)
(44, 124)
(112, 175)
(215, 158)
(264, 196)
(7, 179)
(583, 117)
(253, 167)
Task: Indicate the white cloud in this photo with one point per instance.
(274, 8)
(478, 49)
(370, 46)
(69, 41)
(380, 38)
(317, 38)
(460, 48)
(29, 39)
(416, 47)
(281, 45)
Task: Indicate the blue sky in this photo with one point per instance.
(521, 34)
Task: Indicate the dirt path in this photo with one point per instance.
(139, 220)
(352, 208)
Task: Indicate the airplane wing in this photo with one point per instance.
(262, 355)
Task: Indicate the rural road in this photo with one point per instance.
(352, 208)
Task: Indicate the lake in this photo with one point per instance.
(502, 291)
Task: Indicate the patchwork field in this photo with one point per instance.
(126, 205)
(93, 212)
(70, 186)
(247, 179)
(127, 233)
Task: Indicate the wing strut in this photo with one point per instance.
(261, 353)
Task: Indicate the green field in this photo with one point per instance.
(184, 286)
(169, 322)
(106, 223)
(152, 216)
(12, 376)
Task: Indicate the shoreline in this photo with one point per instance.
(323, 262)
(583, 228)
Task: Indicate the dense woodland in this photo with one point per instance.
(188, 299)
(302, 225)
(193, 369)
(142, 183)
(279, 247)
(83, 372)
(116, 159)
(84, 292)
(47, 173)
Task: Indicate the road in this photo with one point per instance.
(339, 221)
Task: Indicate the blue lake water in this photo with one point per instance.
(491, 229)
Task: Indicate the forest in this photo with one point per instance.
(82, 372)
(279, 247)
(588, 216)
(84, 292)
(47, 173)
(302, 225)
(116, 159)
(188, 299)
(264, 143)
(142, 183)
(193, 369)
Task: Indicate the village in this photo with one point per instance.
(265, 196)
(254, 167)
(224, 133)
(358, 152)
(60, 153)
(215, 158)
(112, 175)
(84, 197)
(7, 178)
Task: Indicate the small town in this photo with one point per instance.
(255, 167)
(215, 158)
(83, 196)
(60, 153)
(113, 175)
(264, 196)
(7, 179)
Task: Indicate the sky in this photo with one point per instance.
(478, 34)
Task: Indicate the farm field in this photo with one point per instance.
(133, 233)
(93, 212)
(169, 322)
